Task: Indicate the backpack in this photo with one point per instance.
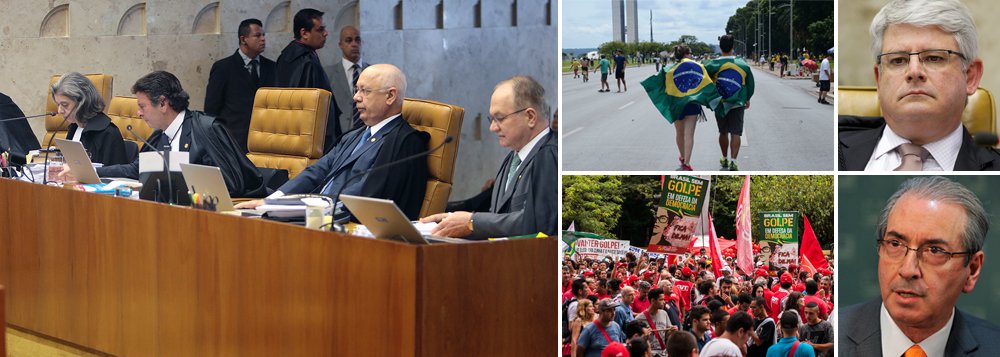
(566, 333)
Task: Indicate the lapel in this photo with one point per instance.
(185, 140)
(970, 157)
(866, 331)
(508, 191)
(961, 341)
(375, 142)
(856, 149)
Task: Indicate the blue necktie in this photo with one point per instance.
(364, 140)
(329, 188)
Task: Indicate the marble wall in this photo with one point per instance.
(453, 61)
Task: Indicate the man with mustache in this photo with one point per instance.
(926, 67)
(930, 250)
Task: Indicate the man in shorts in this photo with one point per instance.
(825, 73)
(604, 64)
(620, 71)
(735, 84)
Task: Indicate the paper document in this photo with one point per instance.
(151, 161)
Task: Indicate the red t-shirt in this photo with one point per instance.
(568, 295)
(776, 307)
(800, 287)
(734, 309)
(682, 289)
(824, 310)
(640, 305)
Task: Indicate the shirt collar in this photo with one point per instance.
(246, 59)
(523, 153)
(347, 63)
(375, 128)
(174, 129)
(895, 343)
(944, 152)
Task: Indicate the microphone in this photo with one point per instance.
(336, 197)
(29, 116)
(986, 139)
(166, 163)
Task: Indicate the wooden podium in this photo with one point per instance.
(137, 278)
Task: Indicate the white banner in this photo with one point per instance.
(784, 255)
(598, 248)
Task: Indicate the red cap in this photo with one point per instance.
(793, 266)
(648, 273)
(786, 278)
(761, 272)
(686, 271)
(588, 273)
(615, 349)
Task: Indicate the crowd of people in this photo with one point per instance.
(638, 306)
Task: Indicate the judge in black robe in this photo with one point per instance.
(16, 136)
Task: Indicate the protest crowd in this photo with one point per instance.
(635, 305)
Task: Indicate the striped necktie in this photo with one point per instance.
(356, 118)
(514, 163)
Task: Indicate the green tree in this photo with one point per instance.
(639, 197)
(822, 35)
(592, 202)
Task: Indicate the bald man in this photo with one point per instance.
(344, 73)
(524, 199)
(385, 137)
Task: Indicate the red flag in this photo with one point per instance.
(810, 253)
(744, 247)
(713, 246)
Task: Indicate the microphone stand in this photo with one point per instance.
(31, 116)
(337, 225)
(166, 163)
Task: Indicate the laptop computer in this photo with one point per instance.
(207, 181)
(386, 221)
(78, 161)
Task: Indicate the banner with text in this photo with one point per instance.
(677, 214)
(598, 248)
(781, 235)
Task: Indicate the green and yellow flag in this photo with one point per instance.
(675, 87)
(734, 82)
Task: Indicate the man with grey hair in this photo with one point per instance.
(525, 195)
(926, 66)
(386, 137)
(930, 240)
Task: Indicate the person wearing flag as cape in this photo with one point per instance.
(678, 93)
(734, 82)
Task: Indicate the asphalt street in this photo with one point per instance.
(785, 129)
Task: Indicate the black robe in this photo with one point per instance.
(209, 143)
(103, 141)
(16, 136)
(298, 67)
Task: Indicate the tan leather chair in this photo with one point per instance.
(124, 111)
(287, 128)
(103, 82)
(979, 114)
(440, 120)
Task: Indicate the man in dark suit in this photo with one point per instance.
(930, 251)
(344, 74)
(386, 137)
(524, 199)
(163, 104)
(16, 136)
(299, 66)
(927, 65)
(233, 82)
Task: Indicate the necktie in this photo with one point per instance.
(329, 188)
(914, 351)
(364, 141)
(514, 163)
(912, 157)
(356, 119)
(254, 75)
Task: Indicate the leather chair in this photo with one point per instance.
(103, 82)
(979, 114)
(440, 120)
(287, 128)
(124, 111)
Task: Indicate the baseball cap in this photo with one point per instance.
(615, 349)
(786, 278)
(761, 272)
(792, 266)
(606, 304)
(686, 272)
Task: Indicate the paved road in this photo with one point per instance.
(785, 128)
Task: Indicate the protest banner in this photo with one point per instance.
(780, 231)
(677, 214)
(599, 248)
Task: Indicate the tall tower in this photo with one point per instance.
(618, 20)
(632, 21)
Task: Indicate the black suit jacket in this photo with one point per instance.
(296, 68)
(208, 143)
(856, 149)
(103, 141)
(230, 93)
(15, 135)
(405, 183)
(530, 206)
(860, 333)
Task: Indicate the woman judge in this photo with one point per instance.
(81, 104)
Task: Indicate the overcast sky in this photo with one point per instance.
(587, 23)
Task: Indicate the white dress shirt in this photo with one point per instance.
(944, 152)
(349, 73)
(173, 132)
(895, 343)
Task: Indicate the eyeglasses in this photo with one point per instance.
(930, 59)
(893, 249)
(366, 91)
(498, 119)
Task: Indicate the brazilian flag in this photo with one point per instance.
(675, 87)
(733, 80)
